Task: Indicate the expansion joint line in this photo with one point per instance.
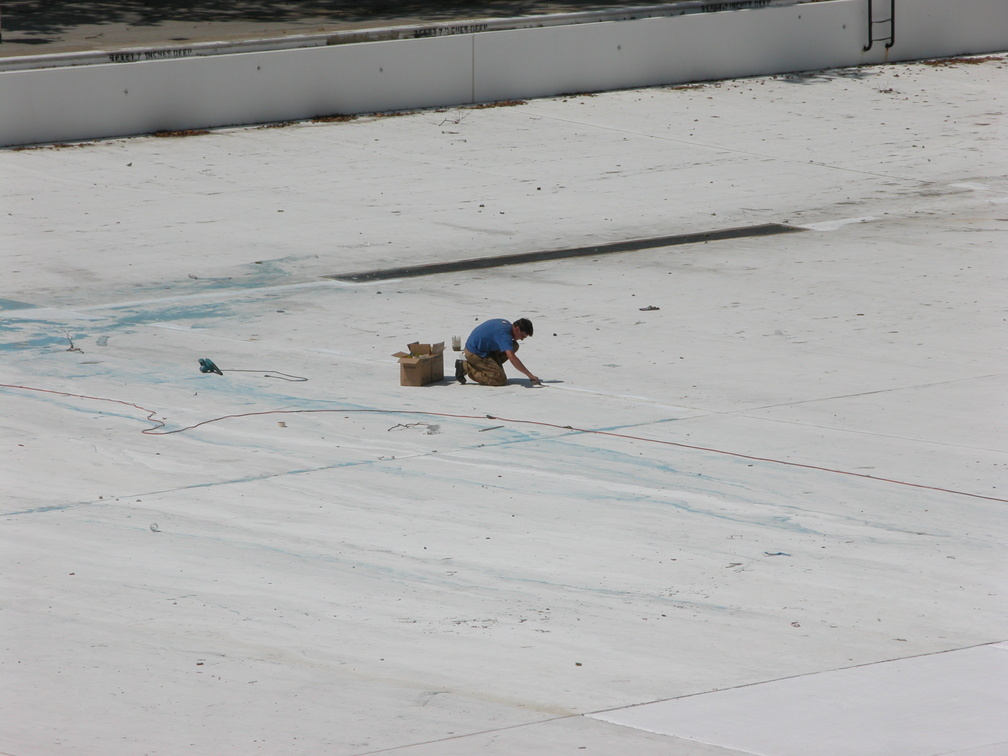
(739, 455)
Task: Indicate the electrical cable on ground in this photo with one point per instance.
(207, 366)
(159, 425)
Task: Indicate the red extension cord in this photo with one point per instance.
(158, 430)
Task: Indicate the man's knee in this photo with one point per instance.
(489, 375)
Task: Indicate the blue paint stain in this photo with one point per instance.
(35, 343)
(27, 333)
(133, 316)
(13, 304)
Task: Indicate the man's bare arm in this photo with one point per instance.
(519, 365)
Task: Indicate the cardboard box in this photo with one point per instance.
(422, 364)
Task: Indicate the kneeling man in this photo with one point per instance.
(488, 347)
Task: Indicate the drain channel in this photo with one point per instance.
(431, 269)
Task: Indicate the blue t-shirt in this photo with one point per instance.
(491, 336)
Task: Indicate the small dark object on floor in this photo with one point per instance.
(207, 366)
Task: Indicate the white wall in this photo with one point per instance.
(669, 50)
(812, 36)
(116, 99)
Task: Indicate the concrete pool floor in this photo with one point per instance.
(762, 491)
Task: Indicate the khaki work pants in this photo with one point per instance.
(487, 370)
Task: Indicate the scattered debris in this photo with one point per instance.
(962, 61)
(431, 428)
(171, 133)
(335, 118)
(57, 146)
(455, 120)
(498, 104)
(72, 348)
(393, 113)
(649, 308)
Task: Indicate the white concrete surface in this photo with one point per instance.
(864, 710)
(794, 467)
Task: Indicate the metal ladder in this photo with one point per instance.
(878, 26)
